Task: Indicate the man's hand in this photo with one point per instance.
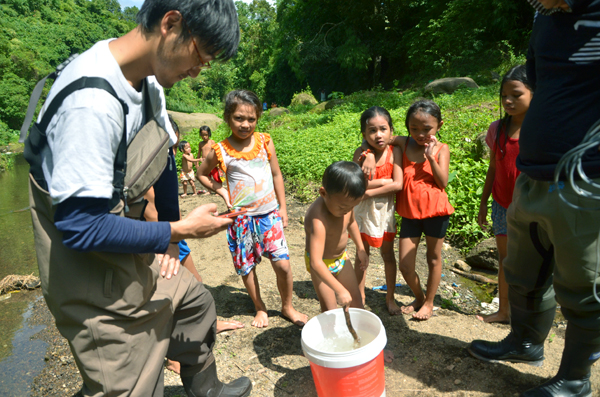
(169, 261)
(200, 223)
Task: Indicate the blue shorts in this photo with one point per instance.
(251, 237)
(184, 250)
(432, 227)
(498, 219)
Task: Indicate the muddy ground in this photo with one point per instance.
(430, 356)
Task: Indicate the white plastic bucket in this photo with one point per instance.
(353, 373)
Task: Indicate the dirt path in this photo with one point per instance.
(430, 356)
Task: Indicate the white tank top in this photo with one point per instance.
(248, 175)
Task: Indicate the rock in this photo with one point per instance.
(457, 382)
(276, 112)
(481, 149)
(462, 265)
(189, 121)
(327, 105)
(303, 98)
(484, 255)
(448, 85)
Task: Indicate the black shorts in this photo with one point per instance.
(432, 227)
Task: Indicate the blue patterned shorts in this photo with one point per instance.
(498, 219)
(251, 237)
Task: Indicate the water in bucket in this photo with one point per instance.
(338, 369)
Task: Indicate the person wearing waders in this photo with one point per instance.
(122, 308)
(551, 245)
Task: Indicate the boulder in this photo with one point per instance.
(303, 98)
(327, 105)
(484, 255)
(481, 149)
(276, 112)
(189, 121)
(448, 85)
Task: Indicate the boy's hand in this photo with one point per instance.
(343, 297)
(169, 261)
(364, 260)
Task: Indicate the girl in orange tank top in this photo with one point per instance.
(423, 203)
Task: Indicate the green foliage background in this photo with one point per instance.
(366, 52)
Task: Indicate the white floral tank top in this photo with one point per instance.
(248, 175)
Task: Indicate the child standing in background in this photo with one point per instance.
(375, 213)
(503, 139)
(187, 173)
(204, 148)
(327, 223)
(254, 184)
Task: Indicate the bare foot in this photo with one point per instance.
(393, 308)
(294, 317)
(388, 356)
(411, 307)
(183, 195)
(424, 312)
(494, 318)
(261, 320)
(230, 325)
(173, 366)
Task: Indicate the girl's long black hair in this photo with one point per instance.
(517, 73)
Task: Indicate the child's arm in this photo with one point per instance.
(278, 183)
(316, 246)
(487, 190)
(369, 164)
(203, 172)
(371, 184)
(440, 167)
(190, 158)
(361, 254)
(396, 181)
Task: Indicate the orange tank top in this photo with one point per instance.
(421, 197)
(386, 170)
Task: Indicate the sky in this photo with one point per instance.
(138, 3)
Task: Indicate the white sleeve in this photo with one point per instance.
(84, 140)
(160, 109)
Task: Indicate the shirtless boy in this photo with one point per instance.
(187, 173)
(327, 224)
(204, 147)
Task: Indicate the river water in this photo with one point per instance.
(21, 357)
(16, 233)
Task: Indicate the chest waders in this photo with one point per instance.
(121, 319)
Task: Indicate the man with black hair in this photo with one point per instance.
(551, 245)
(122, 308)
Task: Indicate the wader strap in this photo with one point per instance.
(37, 140)
(37, 93)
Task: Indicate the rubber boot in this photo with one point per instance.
(207, 384)
(573, 377)
(524, 344)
